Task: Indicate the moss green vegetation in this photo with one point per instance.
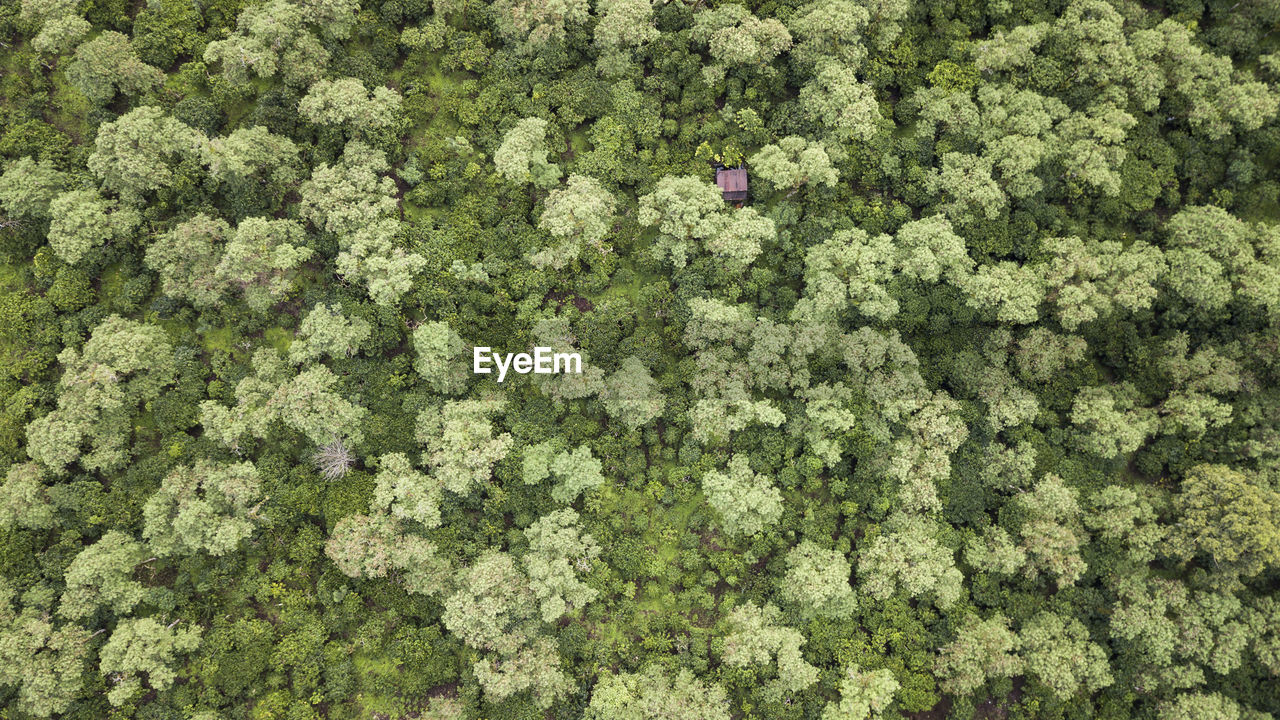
(970, 409)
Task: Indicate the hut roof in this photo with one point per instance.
(732, 183)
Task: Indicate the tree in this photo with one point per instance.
(1230, 516)
(101, 575)
(817, 580)
(631, 395)
(461, 447)
(252, 160)
(652, 694)
(755, 635)
(186, 258)
(209, 507)
(830, 29)
(273, 38)
(537, 22)
(793, 163)
(579, 214)
(28, 186)
(740, 238)
(491, 605)
(1057, 652)
(261, 261)
(123, 364)
(346, 102)
(107, 65)
(325, 331)
(304, 402)
(24, 499)
(1014, 292)
(684, 208)
(522, 156)
(622, 25)
(982, 651)
(136, 153)
(908, 558)
(143, 645)
(83, 221)
(577, 470)
(1110, 421)
(736, 38)
(966, 185)
(841, 104)
(43, 663)
(440, 357)
(745, 502)
(863, 695)
(534, 667)
(376, 547)
(406, 493)
(1052, 535)
(1200, 706)
(558, 550)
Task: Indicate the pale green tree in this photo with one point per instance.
(252, 160)
(746, 503)
(261, 261)
(863, 695)
(830, 29)
(653, 694)
(144, 646)
(305, 402)
(101, 576)
(107, 65)
(375, 546)
(817, 581)
(346, 102)
(755, 635)
(983, 650)
(841, 104)
(123, 364)
(1109, 420)
(441, 357)
(83, 221)
(577, 470)
(907, 558)
(579, 214)
(631, 395)
(326, 331)
(684, 208)
(794, 162)
(137, 153)
(461, 446)
(1057, 652)
(24, 499)
(1231, 516)
(1051, 531)
(558, 552)
(405, 492)
(209, 507)
(736, 38)
(28, 186)
(522, 156)
(534, 23)
(273, 38)
(186, 258)
(44, 664)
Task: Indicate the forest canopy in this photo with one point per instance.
(966, 406)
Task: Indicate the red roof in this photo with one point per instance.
(733, 183)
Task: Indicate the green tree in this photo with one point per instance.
(522, 156)
(28, 186)
(1058, 653)
(755, 635)
(186, 259)
(745, 502)
(346, 102)
(909, 559)
(143, 645)
(43, 663)
(631, 395)
(1230, 516)
(137, 153)
(326, 331)
(123, 364)
(376, 547)
(83, 221)
(579, 214)
(406, 493)
(558, 551)
(261, 261)
(209, 507)
(461, 446)
(863, 695)
(24, 499)
(982, 651)
(440, 357)
(101, 575)
(652, 694)
(793, 163)
(817, 581)
(107, 65)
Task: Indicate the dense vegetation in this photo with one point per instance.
(971, 410)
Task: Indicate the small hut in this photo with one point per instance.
(732, 183)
